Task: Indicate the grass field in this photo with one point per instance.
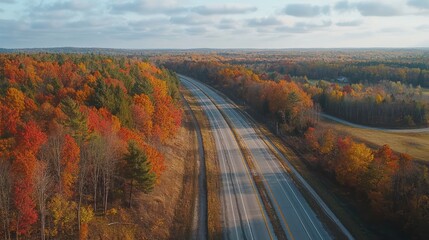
(415, 144)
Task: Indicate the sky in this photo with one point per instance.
(184, 24)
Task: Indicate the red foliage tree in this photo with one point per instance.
(29, 141)
(70, 157)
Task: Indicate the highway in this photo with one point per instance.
(298, 219)
(243, 215)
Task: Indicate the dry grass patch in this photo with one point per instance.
(415, 144)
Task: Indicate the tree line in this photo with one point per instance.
(78, 135)
(284, 102)
(396, 189)
(387, 104)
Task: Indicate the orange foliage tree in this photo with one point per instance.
(70, 164)
(28, 142)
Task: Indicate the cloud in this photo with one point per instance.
(224, 9)
(264, 22)
(419, 3)
(423, 27)
(191, 19)
(72, 5)
(349, 23)
(303, 27)
(196, 30)
(227, 24)
(377, 9)
(372, 9)
(148, 7)
(306, 10)
(343, 6)
(149, 22)
(7, 1)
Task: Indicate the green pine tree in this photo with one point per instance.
(138, 170)
(76, 120)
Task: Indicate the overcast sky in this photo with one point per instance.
(214, 24)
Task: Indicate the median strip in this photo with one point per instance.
(214, 226)
(257, 179)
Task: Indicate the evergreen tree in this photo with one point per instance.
(76, 120)
(138, 170)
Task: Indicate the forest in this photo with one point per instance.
(286, 104)
(395, 188)
(382, 88)
(386, 104)
(391, 185)
(79, 135)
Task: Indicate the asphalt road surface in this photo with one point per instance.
(243, 215)
(298, 219)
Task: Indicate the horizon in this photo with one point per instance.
(231, 48)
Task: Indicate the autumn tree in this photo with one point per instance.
(29, 141)
(5, 196)
(70, 157)
(63, 213)
(378, 178)
(43, 184)
(353, 161)
(143, 111)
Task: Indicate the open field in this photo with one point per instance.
(415, 144)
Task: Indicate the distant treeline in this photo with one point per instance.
(387, 104)
(416, 74)
(284, 102)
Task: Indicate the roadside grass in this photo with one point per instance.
(414, 144)
(212, 170)
(167, 212)
(184, 211)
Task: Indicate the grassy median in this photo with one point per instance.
(212, 169)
